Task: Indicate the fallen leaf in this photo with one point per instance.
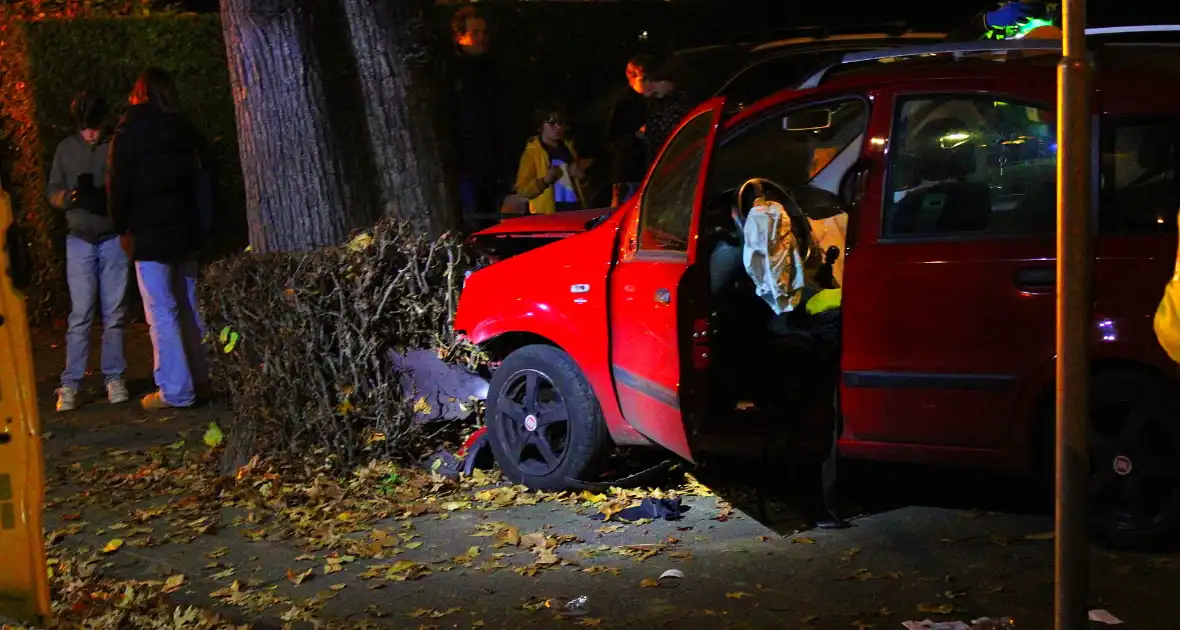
(507, 537)
(938, 609)
(737, 595)
(213, 436)
(173, 583)
(649, 583)
(113, 545)
(337, 587)
(803, 540)
(220, 551)
(299, 578)
(590, 622)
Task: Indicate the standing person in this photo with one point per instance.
(96, 267)
(667, 104)
(551, 175)
(625, 133)
(152, 179)
(475, 122)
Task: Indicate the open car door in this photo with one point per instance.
(653, 301)
(24, 587)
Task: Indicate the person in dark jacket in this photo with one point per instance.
(625, 130)
(96, 267)
(476, 123)
(667, 104)
(152, 182)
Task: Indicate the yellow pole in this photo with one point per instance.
(1074, 179)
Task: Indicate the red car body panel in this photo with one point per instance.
(947, 357)
(532, 294)
(532, 224)
(646, 312)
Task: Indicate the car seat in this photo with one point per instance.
(1140, 204)
(949, 203)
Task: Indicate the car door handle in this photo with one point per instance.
(663, 296)
(1036, 279)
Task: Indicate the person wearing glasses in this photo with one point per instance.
(551, 175)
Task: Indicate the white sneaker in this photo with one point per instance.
(117, 392)
(67, 399)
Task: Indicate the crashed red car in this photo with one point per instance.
(635, 327)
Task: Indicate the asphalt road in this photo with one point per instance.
(922, 540)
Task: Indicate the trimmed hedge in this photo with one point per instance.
(300, 342)
(45, 60)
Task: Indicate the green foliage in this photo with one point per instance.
(51, 50)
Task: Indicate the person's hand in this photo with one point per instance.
(1009, 14)
(553, 175)
(578, 169)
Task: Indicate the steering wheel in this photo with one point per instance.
(799, 224)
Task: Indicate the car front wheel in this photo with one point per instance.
(546, 426)
(1134, 445)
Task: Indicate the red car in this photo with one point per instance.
(631, 327)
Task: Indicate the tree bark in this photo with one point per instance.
(406, 135)
(302, 189)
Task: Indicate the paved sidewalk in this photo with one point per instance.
(738, 573)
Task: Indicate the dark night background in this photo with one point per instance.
(736, 16)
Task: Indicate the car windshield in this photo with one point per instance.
(792, 148)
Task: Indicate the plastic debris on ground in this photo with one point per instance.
(444, 392)
(671, 577)
(1102, 616)
(984, 623)
(444, 463)
(569, 607)
(654, 509)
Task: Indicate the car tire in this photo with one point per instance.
(549, 437)
(1134, 444)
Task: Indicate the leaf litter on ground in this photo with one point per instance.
(320, 510)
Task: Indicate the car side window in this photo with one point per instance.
(1140, 180)
(665, 213)
(965, 166)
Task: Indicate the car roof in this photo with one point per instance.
(852, 38)
(1131, 69)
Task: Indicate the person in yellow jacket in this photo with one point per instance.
(1167, 316)
(551, 175)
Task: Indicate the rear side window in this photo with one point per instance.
(1140, 188)
(665, 214)
(969, 165)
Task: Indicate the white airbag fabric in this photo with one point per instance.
(772, 258)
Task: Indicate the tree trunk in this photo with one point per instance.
(303, 190)
(406, 136)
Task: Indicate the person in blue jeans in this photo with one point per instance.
(152, 180)
(96, 267)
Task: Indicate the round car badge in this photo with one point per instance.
(530, 423)
(1122, 465)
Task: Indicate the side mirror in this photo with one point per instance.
(808, 120)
